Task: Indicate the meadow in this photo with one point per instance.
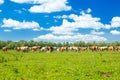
(84, 65)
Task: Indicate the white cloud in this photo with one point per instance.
(7, 30)
(79, 21)
(69, 30)
(50, 6)
(89, 10)
(10, 23)
(96, 33)
(115, 32)
(65, 28)
(1, 1)
(69, 38)
(29, 1)
(46, 6)
(85, 21)
(115, 22)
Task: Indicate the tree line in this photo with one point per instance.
(12, 44)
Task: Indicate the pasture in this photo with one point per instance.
(84, 65)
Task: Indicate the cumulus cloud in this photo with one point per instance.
(46, 6)
(10, 23)
(89, 10)
(65, 28)
(69, 38)
(1, 1)
(71, 24)
(115, 32)
(69, 30)
(96, 32)
(115, 22)
(79, 21)
(50, 6)
(86, 20)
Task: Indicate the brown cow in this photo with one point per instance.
(93, 48)
(35, 48)
(74, 48)
(23, 48)
(50, 48)
(43, 49)
(17, 48)
(47, 49)
(83, 48)
(4, 49)
(111, 48)
(117, 48)
(62, 49)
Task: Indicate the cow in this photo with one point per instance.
(50, 49)
(117, 48)
(103, 48)
(111, 48)
(93, 48)
(4, 49)
(17, 48)
(23, 48)
(43, 49)
(62, 49)
(47, 49)
(35, 48)
(83, 48)
(74, 48)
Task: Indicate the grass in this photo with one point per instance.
(85, 65)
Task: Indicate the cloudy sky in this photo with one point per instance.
(60, 20)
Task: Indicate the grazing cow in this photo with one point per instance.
(43, 49)
(83, 48)
(17, 48)
(58, 49)
(103, 48)
(47, 49)
(63, 49)
(55, 48)
(23, 48)
(117, 48)
(74, 48)
(35, 48)
(4, 49)
(93, 48)
(111, 48)
(50, 49)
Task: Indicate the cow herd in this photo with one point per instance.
(64, 48)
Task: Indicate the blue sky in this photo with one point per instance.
(60, 20)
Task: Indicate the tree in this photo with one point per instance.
(2, 44)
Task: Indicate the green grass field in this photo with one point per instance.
(85, 65)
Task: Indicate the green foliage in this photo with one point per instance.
(12, 44)
(85, 65)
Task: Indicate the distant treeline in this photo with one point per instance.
(12, 44)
